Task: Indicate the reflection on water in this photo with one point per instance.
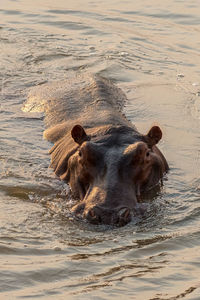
(151, 50)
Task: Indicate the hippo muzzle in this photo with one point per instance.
(100, 215)
(99, 207)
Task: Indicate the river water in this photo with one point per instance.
(151, 49)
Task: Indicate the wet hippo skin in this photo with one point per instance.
(106, 161)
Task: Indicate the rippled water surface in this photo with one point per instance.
(151, 49)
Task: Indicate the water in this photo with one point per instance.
(151, 50)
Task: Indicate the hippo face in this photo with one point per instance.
(109, 173)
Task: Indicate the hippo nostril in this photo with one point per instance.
(78, 209)
(124, 216)
(124, 212)
(93, 217)
(92, 213)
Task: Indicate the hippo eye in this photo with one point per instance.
(148, 153)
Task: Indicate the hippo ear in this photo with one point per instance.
(153, 136)
(79, 135)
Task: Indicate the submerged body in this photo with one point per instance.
(102, 156)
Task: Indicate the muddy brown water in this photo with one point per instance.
(151, 49)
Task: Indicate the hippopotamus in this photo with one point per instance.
(107, 163)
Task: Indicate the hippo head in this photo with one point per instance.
(108, 172)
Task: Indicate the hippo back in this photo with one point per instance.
(90, 100)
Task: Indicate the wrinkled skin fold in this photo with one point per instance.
(106, 161)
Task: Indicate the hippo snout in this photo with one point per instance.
(99, 215)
